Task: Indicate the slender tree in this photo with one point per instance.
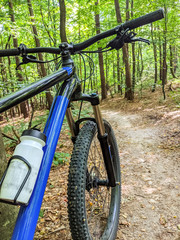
(171, 61)
(160, 59)
(118, 73)
(101, 65)
(129, 93)
(164, 71)
(62, 21)
(155, 58)
(37, 41)
(23, 105)
(133, 53)
(127, 18)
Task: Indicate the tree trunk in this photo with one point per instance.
(133, 67)
(118, 74)
(107, 70)
(138, 65)
(175, 59)
(127, 18)
(101, 65)
(171, 62)
(12, 85)
(127, 10)
(37, 41)
(141, 59)
(164, 77)
(129, 93)
(164, 72)
(62, 21)
(8, 213)
(114, 75)
(160, 60)
(5, 78)
(155, 59)
(133, 55)
(23, 105)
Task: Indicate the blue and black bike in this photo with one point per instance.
(94, 182)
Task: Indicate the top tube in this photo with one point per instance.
(34, 88)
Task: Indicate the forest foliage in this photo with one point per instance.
(150, 65)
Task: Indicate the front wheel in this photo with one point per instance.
(93, 207)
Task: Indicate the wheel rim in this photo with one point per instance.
(98, 199)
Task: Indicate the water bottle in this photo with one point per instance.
(19, 179)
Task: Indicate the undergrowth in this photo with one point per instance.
(13, 129)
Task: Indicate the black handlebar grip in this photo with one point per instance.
(143, 20)
(16, 51)
(9, 52)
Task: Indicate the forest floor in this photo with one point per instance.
(148, 135)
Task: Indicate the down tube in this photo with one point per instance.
(28, 216)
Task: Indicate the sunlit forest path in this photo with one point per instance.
(148, 140)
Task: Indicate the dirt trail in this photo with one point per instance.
(150, 207)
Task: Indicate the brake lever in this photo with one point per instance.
(140, 40)
(26, 58)
(118, 42)
(125, 37)
(29, 59)
(130, 37)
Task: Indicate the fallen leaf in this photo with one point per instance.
(162, 220)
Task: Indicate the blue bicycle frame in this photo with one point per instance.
(69, 90)
(28, 215)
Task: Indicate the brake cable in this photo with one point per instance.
(92, 67)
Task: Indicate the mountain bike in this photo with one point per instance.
(94, 182)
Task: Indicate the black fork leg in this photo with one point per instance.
(106, 150)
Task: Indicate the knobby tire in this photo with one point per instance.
(93, 210)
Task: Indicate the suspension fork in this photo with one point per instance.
(103, 139)
(102, 135)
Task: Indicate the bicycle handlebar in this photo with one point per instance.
(132, 24)
(143, 20)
